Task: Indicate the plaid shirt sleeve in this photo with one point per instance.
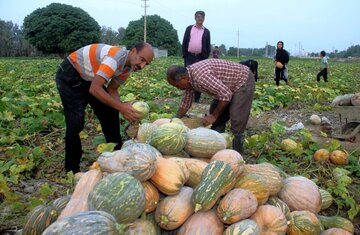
(187, 98)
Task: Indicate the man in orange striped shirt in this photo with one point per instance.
(92, 75)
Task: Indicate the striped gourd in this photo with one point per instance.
(169, 138)
(244, 227)
(38, 219)
(217, 179)
(88, 222)
(204, 142)
(256, 184)
(304, 223)
(60, 203)
(119, 194)
(336, 222)
(270, 175)
(138, 160)
(145, 131)
(275, 201)
(326, 199)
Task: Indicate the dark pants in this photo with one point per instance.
(238, 111)
(280, 74)
(75, 96)
(190, 59)
(322, 73)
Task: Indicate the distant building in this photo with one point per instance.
(160, 52)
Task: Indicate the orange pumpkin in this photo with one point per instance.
(152, 196)
(321, 155)
(236, 205)
(195, 167)
(300, 193)
(270, 219)
(339, 157)
(232, 157)
(202, 222)
(168, 177)
(173, 211)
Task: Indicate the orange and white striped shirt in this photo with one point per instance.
(101, 59)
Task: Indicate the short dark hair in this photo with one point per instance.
(323, 53)
(140, 45)
(200, 13)
(175, 72)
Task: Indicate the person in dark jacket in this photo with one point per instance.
(196, 44)
(281, 60)
(253, 66)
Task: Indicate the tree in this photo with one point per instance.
(160, 33)
(110, 36)
(60, 28)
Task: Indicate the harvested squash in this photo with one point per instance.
(152, 196)
(304, 223)
(79, 198)
(270, 219)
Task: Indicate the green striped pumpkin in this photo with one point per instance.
(60, 203)
(244, 227)
(304, 223)
(38, 219)
(326, 199)
(145, 131)
(336, 222)
(217, 179)
(88, 222)
(169, 138)
(277, 202)
(204, 142)
(119, 194)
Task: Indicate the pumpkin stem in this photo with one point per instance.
(121, 227)
(198, 207)
(226, 215)
(164, 219)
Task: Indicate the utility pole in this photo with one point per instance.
(238, 44)
(145, 6)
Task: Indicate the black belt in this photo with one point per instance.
(195, 55)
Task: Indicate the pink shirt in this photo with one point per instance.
(195, 42)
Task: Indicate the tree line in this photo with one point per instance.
(58, 29)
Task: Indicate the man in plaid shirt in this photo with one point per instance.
(232, 87)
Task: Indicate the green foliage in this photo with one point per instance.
(159, 33)
(60, 28)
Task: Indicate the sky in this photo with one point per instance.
(304, 26)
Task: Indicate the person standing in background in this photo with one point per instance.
(216, 52)
(281, 60)
(196, 44)
(324, 69)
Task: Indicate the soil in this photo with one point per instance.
(290, 116)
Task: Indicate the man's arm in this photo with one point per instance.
(111, 98)
(210, 119)
(181, 112)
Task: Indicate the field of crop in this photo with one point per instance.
(32, 129)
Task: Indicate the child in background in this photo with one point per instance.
(324, 67)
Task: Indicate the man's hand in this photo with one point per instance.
(208, 120)
(129, 113)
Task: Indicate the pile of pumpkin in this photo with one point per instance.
(176, 180)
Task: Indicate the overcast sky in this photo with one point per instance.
(306, 25)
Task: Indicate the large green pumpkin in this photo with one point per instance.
(60, 203)
(88, 222)
(217, 179)
(204, 142)
(169, 138)
(38, 219)
(145, 131)
(244, 227)
(119, 194)
(137, 159)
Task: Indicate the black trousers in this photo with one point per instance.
(190, 59)
(322, 73)
(280, 74)
(75, 96)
